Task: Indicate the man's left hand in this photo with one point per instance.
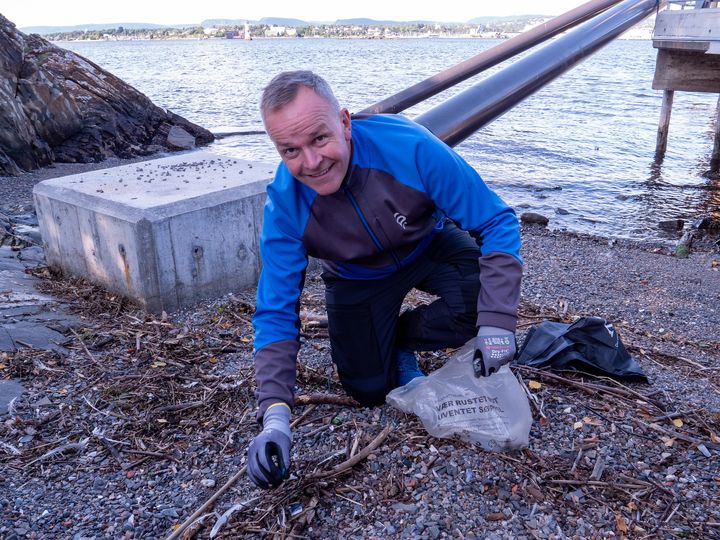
(494, 347)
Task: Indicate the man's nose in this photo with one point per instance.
(312, 158)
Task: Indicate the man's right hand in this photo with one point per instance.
(269, 453)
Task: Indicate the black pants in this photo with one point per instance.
(366, 327)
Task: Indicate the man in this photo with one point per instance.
(381, 202)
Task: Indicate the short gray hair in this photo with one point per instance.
(283, 88)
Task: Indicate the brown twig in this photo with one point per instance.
(590, 388)
(230, 483)
(357, 458)
(596, 483)
(87, 351)
(325, 399)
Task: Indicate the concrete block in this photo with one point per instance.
(166, 233)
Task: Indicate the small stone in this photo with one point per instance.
(169, 513)
(403, 507)
(532, 218)
(208, 482)
(672, 225)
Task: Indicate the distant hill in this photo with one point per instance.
(507, 18)
(270, 21)
(43, 30)
(279, 21)
(373, 22)
(208, 23)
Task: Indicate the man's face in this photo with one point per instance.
(313, 140)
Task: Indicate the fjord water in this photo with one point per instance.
(580, 151)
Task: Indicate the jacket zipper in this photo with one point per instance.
(369, 230)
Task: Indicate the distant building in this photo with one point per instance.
(275, 31)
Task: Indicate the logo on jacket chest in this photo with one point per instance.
(400, 219)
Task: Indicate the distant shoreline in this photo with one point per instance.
(342, 38)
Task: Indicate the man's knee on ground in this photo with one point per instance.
(366, 397)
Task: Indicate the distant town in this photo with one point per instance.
(483, 27)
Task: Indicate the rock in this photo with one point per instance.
(531, 218)
(672, 225)
(169, 513)
(178, 138)
(402, 507)
(56, 106)
(561, 212)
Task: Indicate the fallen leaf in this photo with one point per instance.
(63, 391)
(620, 522)
(213, 360)
(677, 422)
(495, 516)
(714, 438)
(158, 364)
(245, 340)
(592, 421)
(577, 425)
(534, 385)
(669, 441)
(632, 506)
(2, 366)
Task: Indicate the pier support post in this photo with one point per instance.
(715, 159)
(664, 125)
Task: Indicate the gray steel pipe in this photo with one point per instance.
(460, 116)
(486, 59)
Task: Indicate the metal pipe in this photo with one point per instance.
(486, 59)
(460, 116)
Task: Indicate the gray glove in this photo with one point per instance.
(494, 347)
(269, 453)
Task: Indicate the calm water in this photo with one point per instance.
(583, 144)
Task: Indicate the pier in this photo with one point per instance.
(687, 37)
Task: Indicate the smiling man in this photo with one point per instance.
(386, 207)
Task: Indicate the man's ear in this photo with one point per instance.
(347, 124)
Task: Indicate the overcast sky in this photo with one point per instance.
(60, 13)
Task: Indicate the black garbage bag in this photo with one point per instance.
(590, 344)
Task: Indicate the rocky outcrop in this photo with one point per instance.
(56, 105)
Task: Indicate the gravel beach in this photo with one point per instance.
(144, 418)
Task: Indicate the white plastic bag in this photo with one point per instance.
(492, 411)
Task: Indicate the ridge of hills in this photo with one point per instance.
(271, 21)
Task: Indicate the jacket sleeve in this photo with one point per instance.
(459, 191)
(276, 319)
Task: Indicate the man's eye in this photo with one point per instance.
(321, 138)
(290, 152)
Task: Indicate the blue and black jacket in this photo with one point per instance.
(401, 185)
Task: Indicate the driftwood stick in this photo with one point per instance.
(189, 521)
(230, 483)
(588, 387)
(357, 458)
(675, 434)
(596, 483)
(87, 351)
(325, 399)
